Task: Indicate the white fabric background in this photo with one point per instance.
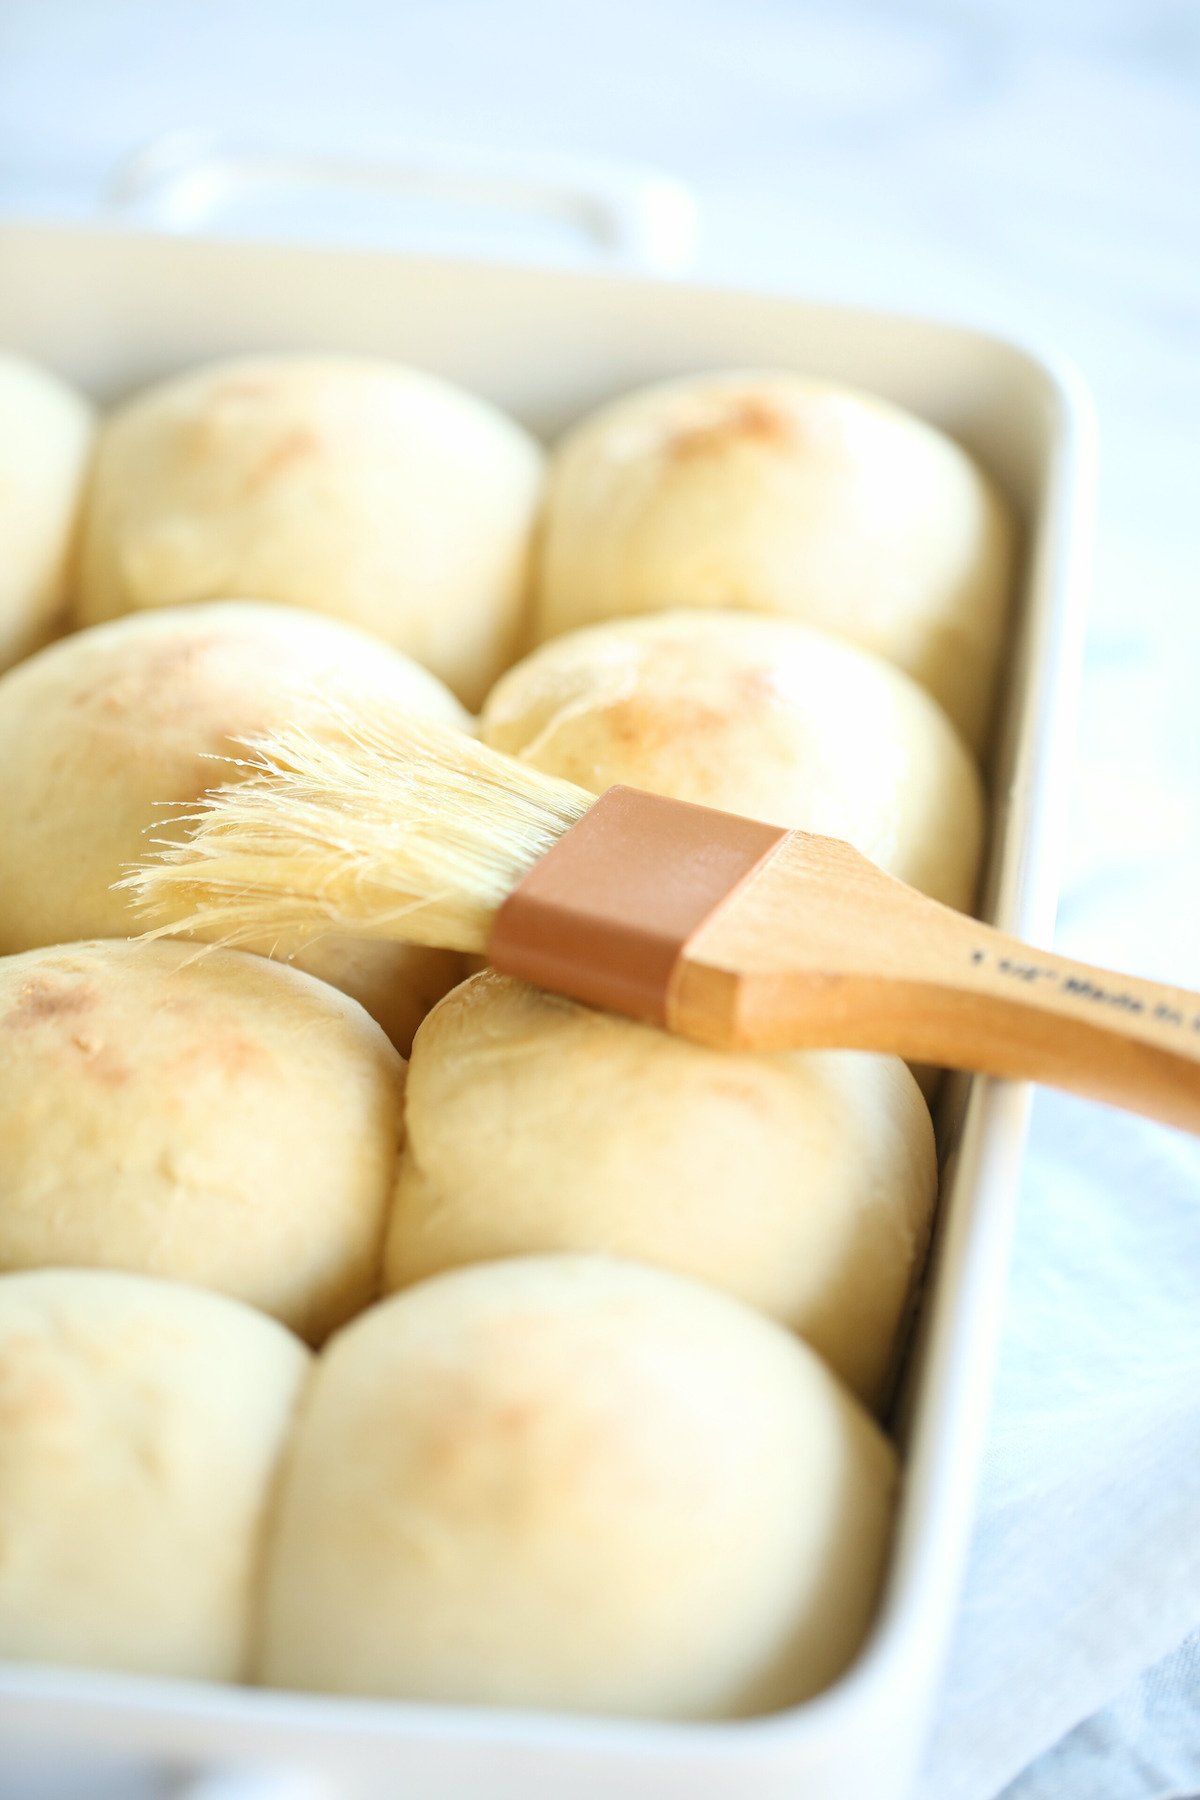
(1034, 166)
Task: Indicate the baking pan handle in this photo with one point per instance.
(187, 181)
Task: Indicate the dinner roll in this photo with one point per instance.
(202, 1115)
(757, 716)
(802, 1182)
(45, 437)
(773, 493)
(141, 1429)
(574, 1482)
(355, 487)
(108, 738)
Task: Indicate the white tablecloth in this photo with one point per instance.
(1033, 166)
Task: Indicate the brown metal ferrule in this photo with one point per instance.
(606, 916)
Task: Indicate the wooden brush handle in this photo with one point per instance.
(820, 948)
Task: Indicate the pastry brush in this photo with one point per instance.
(725, 930)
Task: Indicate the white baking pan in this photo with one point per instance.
(113, 308)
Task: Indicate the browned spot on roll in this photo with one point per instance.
(291, 448)
(42, 998)
(740, 419)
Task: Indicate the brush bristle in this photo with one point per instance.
(357, 820)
